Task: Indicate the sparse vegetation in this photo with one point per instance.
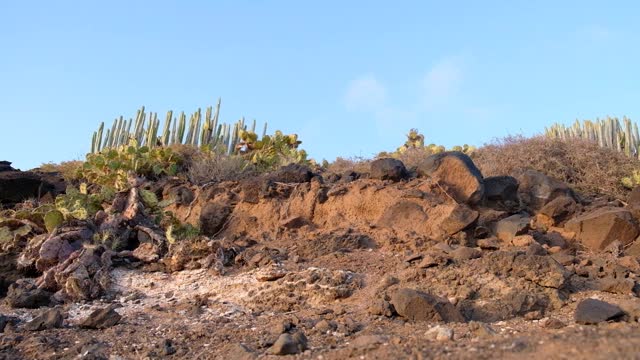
(207, 133)
(414, 150)
(582, 164)
(68, 169)
(112, 167)
(341, 165)
(609, 133)
(212, 167)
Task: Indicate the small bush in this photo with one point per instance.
(68, 169)
(414, 151)
(212, 167)
(581, 164)
(413, 156)
(342, 165)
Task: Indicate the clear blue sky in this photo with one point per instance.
(350, 77)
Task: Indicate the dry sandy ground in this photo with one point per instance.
(197, 314)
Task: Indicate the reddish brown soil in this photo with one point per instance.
(328, 263)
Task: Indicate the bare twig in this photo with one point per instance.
(445, 192)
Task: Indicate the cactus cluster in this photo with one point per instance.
(111, 168)
(205, 132)
(11, 231)
(632, 180)
(415, 142)
(271, 151)
(609, 133)
(75, 204)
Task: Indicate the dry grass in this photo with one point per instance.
(581, 164)
(67, 169)
(414, 156)
(342, 165)
(203, 168)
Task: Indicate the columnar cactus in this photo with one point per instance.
(609, 133)
(205, 132)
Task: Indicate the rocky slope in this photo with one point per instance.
(429, 263)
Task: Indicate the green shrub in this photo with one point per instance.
(113, 168)
(271, 152)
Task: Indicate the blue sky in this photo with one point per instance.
(350, 77)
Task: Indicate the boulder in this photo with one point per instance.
(452, 218)
(512, 226)
(25, 294)
(83, 276)
(592, 311)
(420, 306)
(54, 178)
(17, 186)
(292, 173)
(599, 228)
(457, 173)
(6, 166)
(388, 169)
(58, 247)
(522, 240)
(501, 191)
(559, 209)
(615, 285)
(49, 319)
(440, 333)
(464, 253)
(288, 344)
(147, 252)
(537, 189)
(101, 318)
(434, 258)
(553, 323)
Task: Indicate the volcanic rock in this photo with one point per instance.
(388, 169)
(537, 189)
(101, 319)
(25, 294)
(17, 186)
(420, 306)
(292, 173)
(559, 209)
(512, 226)
(599, 228)
(49, 319)
(6, 166)
(457, 173)
(288, 344)
(592, 311)
(501, 191)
